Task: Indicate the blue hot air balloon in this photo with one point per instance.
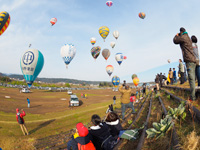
(31, 64)
(115, 81)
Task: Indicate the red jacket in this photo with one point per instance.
(132, 98)
(21, 115)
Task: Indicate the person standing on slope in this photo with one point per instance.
(185, 43)
(20, 120)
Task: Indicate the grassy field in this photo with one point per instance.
(48, 114)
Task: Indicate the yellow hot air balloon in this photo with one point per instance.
(136, 81)
(104, 31)
(4, 21)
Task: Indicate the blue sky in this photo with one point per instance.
(147, 43)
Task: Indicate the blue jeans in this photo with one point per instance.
(124, 106)
(197, 71)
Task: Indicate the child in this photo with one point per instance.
(81, 140)
(20, 120)
(101, 137)
(112, 120)
(132, 98)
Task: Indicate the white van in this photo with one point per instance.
(25, 90)
(74, 101)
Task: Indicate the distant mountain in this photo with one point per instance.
(53, 80)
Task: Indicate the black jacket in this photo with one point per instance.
(115, 127)
(99, 134)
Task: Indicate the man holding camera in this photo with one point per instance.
(125, 98)
(185, 43)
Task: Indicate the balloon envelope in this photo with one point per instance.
(142, 15)
(133, 76)
(93, 40)
(106, 53)
(4, 21)
(125, 57)
(109, 3)
(115, 81)
(136, 81)
(112, 44)
(109, 69)
(116, 34)
(119, 58)
(95, 51)
(68, 51)
(168, 60)
(31, 64)
(53, 21)
(104, 31)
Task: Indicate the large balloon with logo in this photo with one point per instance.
(109, 69)
(136, 81)
(95, 51)
(115, 81)
(68, 51)
(4, 21)
(31, 63)
(106, 53)
(104, 31)
(119, 58)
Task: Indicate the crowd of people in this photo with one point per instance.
(190, 64)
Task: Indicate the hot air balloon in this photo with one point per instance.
(93, 40)
(168, 60)
(142, 15)
(68, 52)
(95, 51)
(119, 58)
(115, 81)
(133, 76)
(125, 57)
(31, 63)
(53, 21)
(112, 44)
(116, 34)
(136, 81)
(104, 31)
(109, 69)
(4, 21)
(106, 53)
(109, 3)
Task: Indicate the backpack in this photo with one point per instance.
(108, 143)
(88, 146)
(20, 120)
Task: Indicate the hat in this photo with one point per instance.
(17, 110)
(82, 130)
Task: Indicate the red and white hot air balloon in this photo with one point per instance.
(109, 3)
(53, 21)
(109, 69)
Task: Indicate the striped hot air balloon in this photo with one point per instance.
(109, 69)
(53, 21)
(4, 21)
(109, 3)
(104, 31)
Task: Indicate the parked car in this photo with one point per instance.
(69, 92)
(25, 90)
(74, 101)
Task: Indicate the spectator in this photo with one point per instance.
(160, 79)
(171, 75)
(114, 99)
(144, 89)
(21, 121)
(157, 82)
(181, 71)
(132, 98)
(125, 99)
(113, 122)
(101, 137)
(174, 75)
(81, 139)
(185, 43)
(28, 102)
(196, 54)
(165, 79)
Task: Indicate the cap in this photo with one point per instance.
(82, 130)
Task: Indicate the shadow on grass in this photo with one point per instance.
(36, 106)
(44, 124)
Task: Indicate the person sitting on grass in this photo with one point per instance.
(20, 120)
(113, 122)
(81, 140)
(100, 133)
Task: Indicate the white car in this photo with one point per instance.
(69, 92)
(25, 90)
(74, 101)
